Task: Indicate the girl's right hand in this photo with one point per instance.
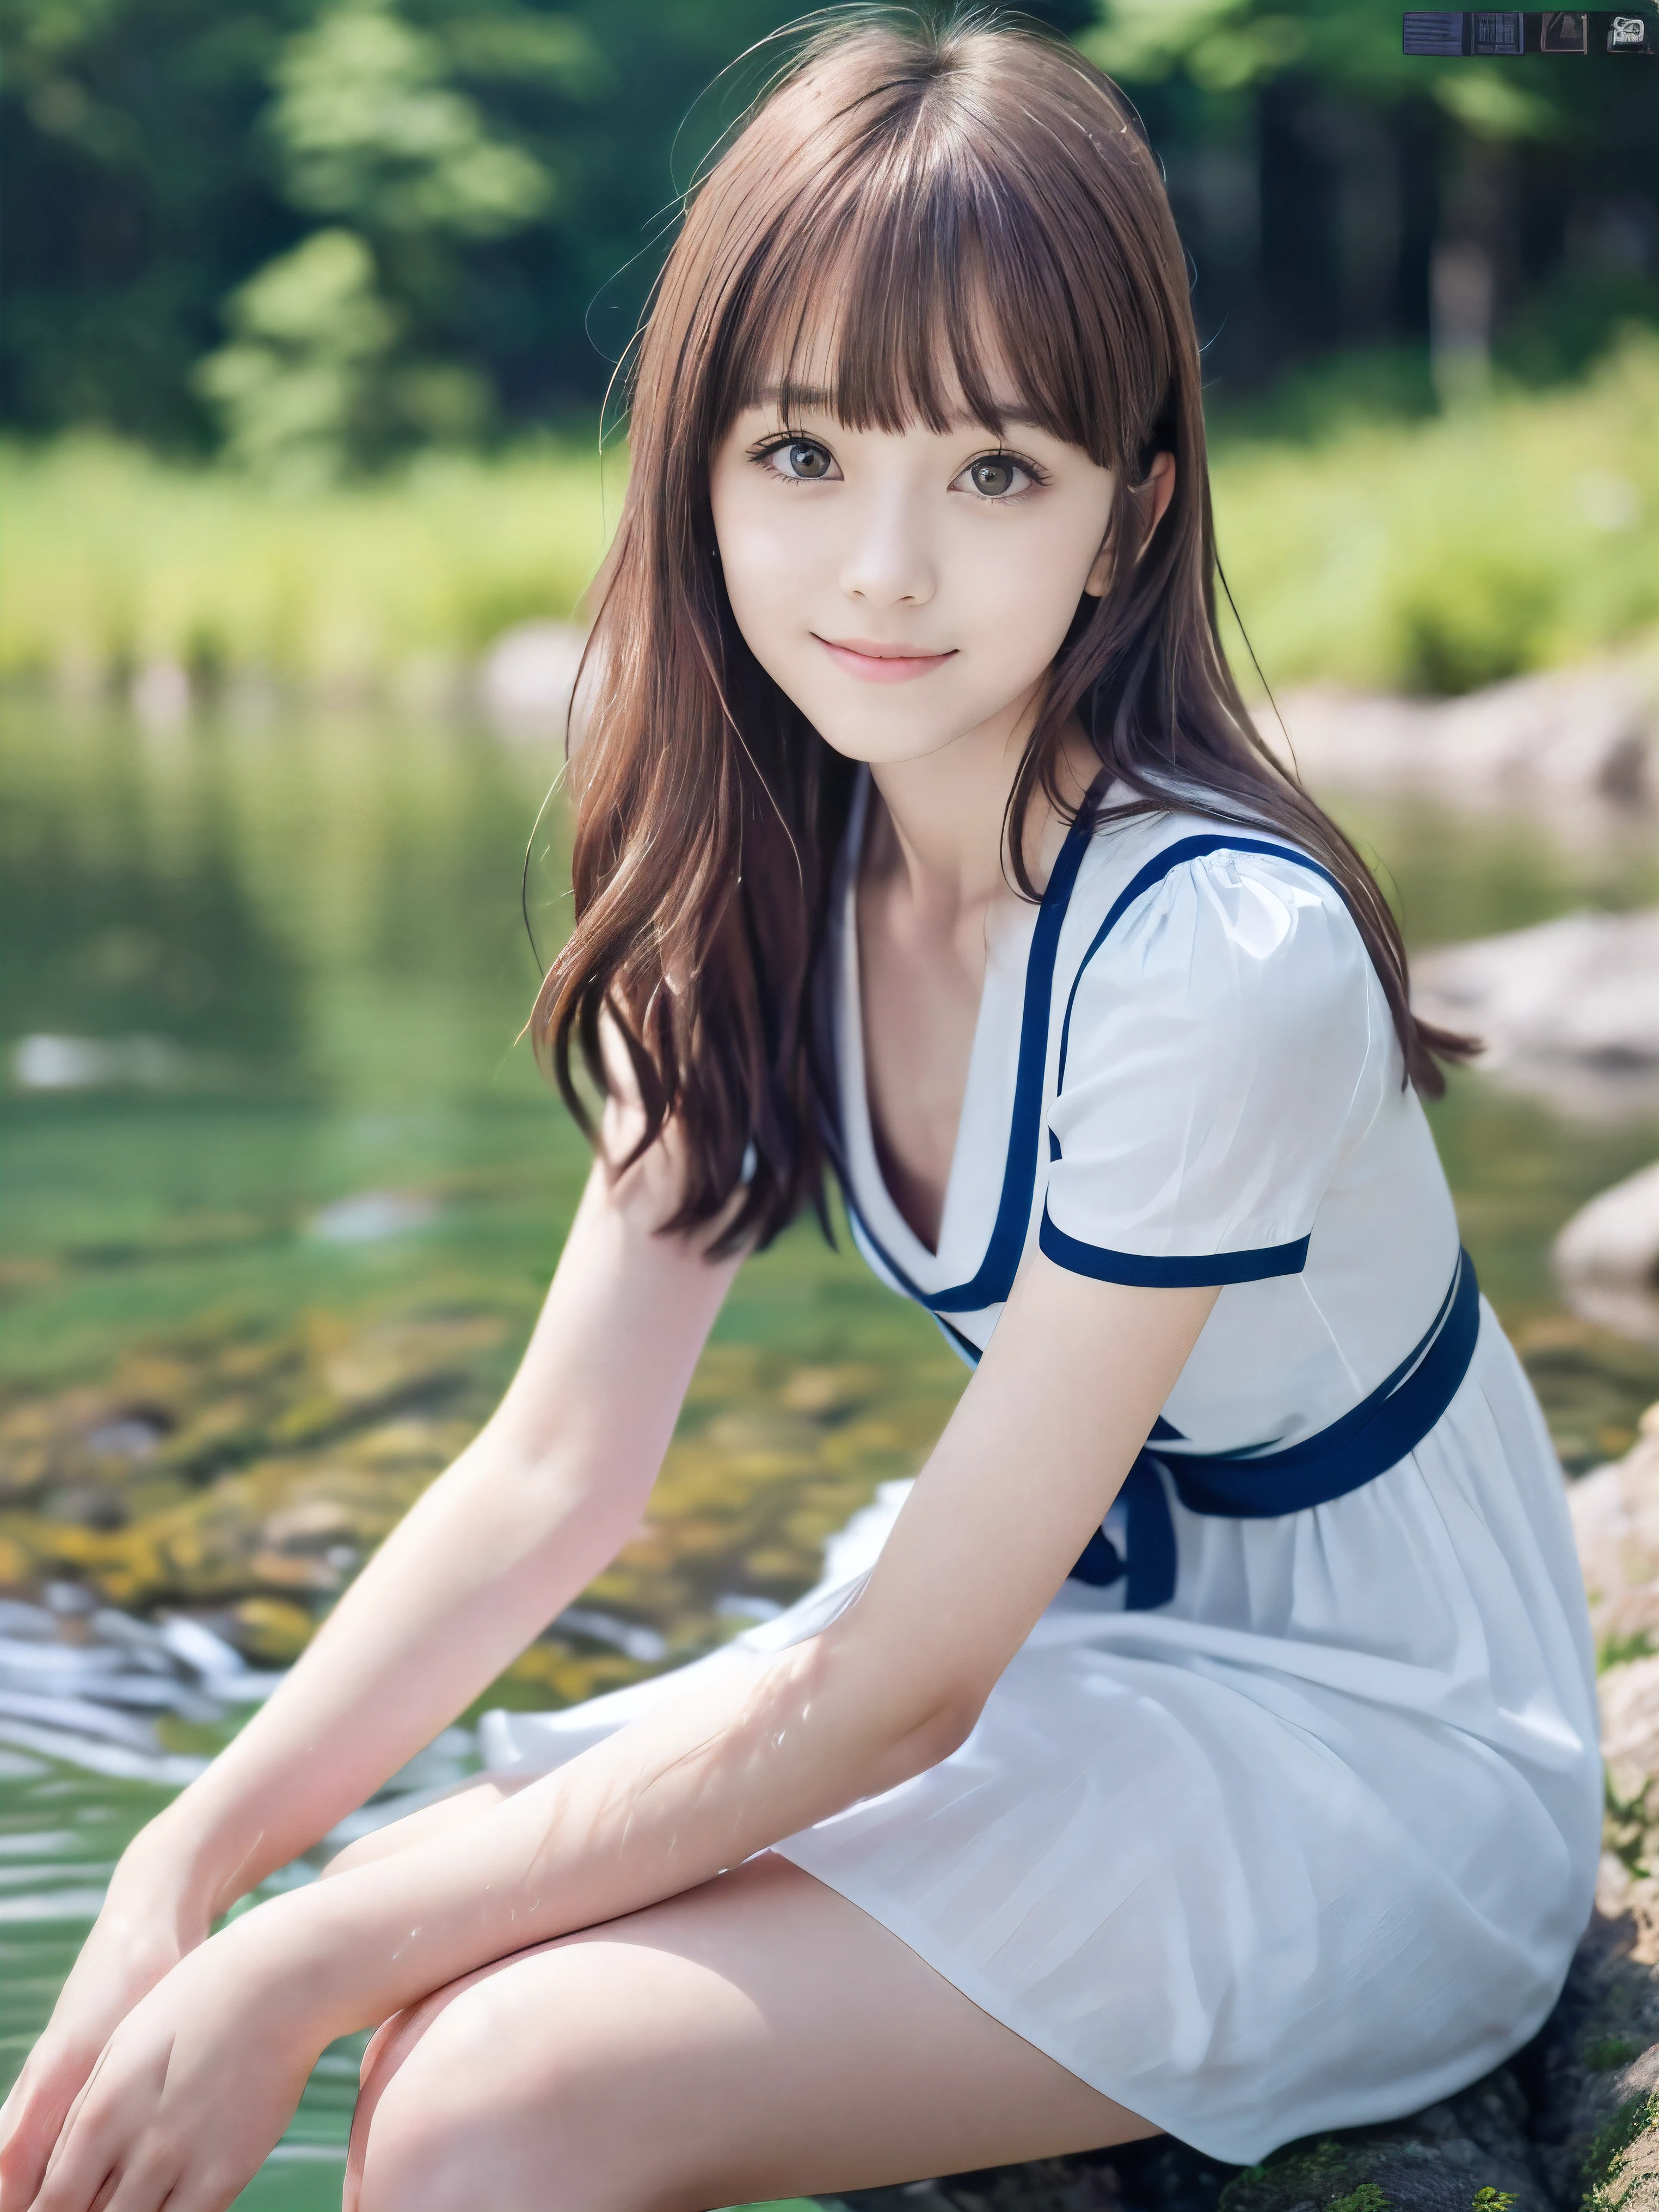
(139, 1937)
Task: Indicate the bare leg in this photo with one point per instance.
(758, 2037)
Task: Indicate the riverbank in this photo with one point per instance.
(1427, 556)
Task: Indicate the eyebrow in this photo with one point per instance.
(808, 397)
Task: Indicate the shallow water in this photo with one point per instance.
(285, 961)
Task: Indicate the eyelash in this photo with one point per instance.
(763, 453)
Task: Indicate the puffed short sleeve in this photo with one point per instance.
(1227, 1043)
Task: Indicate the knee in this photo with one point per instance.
(451, 2121)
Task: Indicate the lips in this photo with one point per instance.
(872, 662)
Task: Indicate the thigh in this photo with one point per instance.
(758, 2037)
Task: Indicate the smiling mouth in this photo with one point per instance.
(875, 663)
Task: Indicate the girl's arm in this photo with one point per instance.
(536, 1505)
(1037, 1449)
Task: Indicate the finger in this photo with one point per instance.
(34, 2117)
(148, 2183)
(88, 2150)
(30, 2126)
(204, 2193)
(79, 2173)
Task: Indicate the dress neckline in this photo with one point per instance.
(1018, 967)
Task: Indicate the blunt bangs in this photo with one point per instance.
(934, 263)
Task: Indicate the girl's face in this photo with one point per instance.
(906, 589)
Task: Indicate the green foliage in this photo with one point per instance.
(1604, 2161)
(1438, 555)
(372, 127)
(508, 167)
(1609, 2052)
(298, 384)
(1231, 47)
(1491, 2200)
(1428, 553)
(1367, 2198)
(497, 161)
(113, 559)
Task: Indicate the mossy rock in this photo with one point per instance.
(1596, 2122)
(1621, 2167)
(1471, 2151)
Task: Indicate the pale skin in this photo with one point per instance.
(602, 1992)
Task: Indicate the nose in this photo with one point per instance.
(888, 561)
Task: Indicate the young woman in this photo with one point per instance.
(922, 833)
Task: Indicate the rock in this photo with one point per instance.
(1161, 2175)
(527, 676)
(1438, 2160)
(1593, 2121)
(1472, 2150)
(1608, 1258)
(371, 1216)
(1615, 1518)
(82, 1063)
(1566, 1010)
(1589, 733)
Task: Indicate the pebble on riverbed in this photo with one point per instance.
(240, 1479)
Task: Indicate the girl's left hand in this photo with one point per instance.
(192, 2092)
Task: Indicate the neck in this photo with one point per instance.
(946, 813)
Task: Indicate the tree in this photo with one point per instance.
(1332, 191)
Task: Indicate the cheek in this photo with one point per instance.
(1020, 587)
(765, 564)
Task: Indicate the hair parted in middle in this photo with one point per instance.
(959, 220)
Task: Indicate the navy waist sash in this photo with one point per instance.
(1259, 1485)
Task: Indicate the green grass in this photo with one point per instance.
(1441, 555)
(112, 559)
(1363, 545)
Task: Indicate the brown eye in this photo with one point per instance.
(806, 459)
(993, 477)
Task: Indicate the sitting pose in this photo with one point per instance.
(1205, 1741)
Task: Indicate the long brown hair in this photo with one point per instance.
(940, 207)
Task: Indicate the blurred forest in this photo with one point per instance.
(315, 235)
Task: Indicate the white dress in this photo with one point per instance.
(1294, 1825)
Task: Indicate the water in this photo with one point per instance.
(285, 968)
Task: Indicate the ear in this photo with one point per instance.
(1160, 481)
(1160, 484)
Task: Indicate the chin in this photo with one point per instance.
(856, 740)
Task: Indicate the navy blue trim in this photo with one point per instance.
(1149, 1540)
(862, 1229)
(1376, 1433)
(964, 1346)
(1172, 1274)
(993, 1279)
(1161, 865)
(1373, 1436)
